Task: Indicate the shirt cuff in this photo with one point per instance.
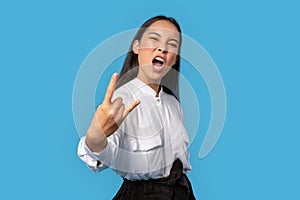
(104, 155)
(90, 158)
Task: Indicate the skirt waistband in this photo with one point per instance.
(175, 186)
(175, 176)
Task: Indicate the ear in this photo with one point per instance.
(177, 57)
(136, 47)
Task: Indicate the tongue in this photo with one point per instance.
(157, 63)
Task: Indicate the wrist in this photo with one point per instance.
(96, 141)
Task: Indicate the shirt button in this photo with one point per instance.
(158, 100)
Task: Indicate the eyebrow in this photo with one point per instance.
(160, 36)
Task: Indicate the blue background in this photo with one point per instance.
(255, 45)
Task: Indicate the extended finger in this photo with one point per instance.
(130, 108)
(116, 104)
(119, 114)
(111, 88)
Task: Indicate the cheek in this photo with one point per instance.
(148, 44)
(144, 57)
(172, 59)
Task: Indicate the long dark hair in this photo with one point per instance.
(169, 82)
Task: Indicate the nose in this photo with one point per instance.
(163, 50)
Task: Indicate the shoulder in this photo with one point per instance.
(125, 92)
(125, 89)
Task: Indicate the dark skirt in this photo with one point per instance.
(175, 186)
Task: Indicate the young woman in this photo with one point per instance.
(138, 129)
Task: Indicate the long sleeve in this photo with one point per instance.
(99, 161)
(89, 157)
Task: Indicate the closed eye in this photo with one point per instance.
(173, 45)
(154, 38)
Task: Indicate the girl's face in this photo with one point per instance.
(157, 51)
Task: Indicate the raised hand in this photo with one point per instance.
(108, 117)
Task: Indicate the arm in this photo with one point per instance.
(89, 157)
(108, 117)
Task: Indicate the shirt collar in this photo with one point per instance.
(146, 88)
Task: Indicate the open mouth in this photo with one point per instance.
(158, 61)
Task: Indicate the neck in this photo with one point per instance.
(155, 87)
(154, 84)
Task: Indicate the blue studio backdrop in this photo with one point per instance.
(254, 44)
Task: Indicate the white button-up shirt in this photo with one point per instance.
(150, 138)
